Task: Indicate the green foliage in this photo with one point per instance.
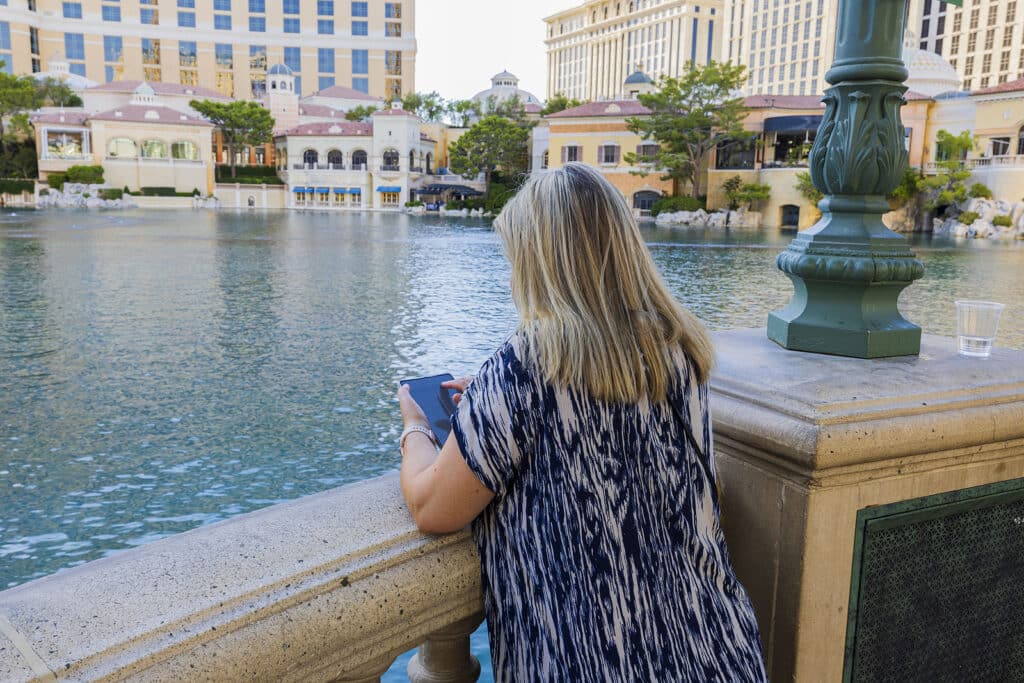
(16, 185)
(491, 143)
(807, 189)
(953, 148)
(690, 116)
(56, 180)
(51, 92)
(979, 190)
(461, 111)
(968, 217)
(414, 202)
(472, 203)
(111, 193)
(908, 189)
(44, 192)
(428, 106)
(559, 102)
(248, 175)
(18, 160)
(673, 204)
(86, 195)
(1003, 221)
(89, 175)
(17, 95)
(740, 194)
(241, 122)
(125, 190)
(360, 113)
(156, 191)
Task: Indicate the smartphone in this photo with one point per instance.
(436, 402)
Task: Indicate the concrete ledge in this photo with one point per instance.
(328, 587)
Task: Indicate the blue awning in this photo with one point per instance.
(388, 188)
(791, 124)
(355, 190)
(310, 189)
(323, 190)
(299, 190)
(340, 190)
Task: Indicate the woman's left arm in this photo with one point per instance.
(442, 492)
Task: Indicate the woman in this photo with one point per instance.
(581, 452)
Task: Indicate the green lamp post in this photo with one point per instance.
(849, 269)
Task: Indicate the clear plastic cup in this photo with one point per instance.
(976, 324)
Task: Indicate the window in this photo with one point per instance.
(222, 22)
(608, 154)
(325, 27)
(150, 51)
(360, 28)
(571, 153)
(390, 160)
(393, 29)
(325, 8)
(258, 24)
(258, 57)
(360, 9)
(990, 38)
(1020, 141)
(226, 83)
(74, 45)
(149, 17)
(122, 148)
(184, 150)
(222, 5)
(359, 160)
(393, 62)
(33, 39)
(325, 60)
(393, 10)
(291, 25)
(362, 85)
(335, 159)
(1000, 146)
(72, 10)
(5, 44)
(257, 6)
(360, 61)
(186, 53)
(187, 19)
(293, 58)
(154, 149)
(225, 58)
(290, 7)
(112, 47)
(78, 69)
(111, 13)
(325, 82)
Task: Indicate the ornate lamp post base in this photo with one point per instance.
(849, 269)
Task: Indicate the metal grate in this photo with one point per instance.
(937, 591)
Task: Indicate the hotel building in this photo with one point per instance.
(222, 45)
(594, 46)
(983, 40)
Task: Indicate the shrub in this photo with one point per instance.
(980, 191)
(15, 186)
(56, 180)
(1002, 221)
(196, 192)
(86, 195)
(44, 192)
(85, 174)
(414, 202)
(155, 191)
(967, 217)
(111, 193)
(125, 190)
(672, 204)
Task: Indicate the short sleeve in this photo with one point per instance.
(493, 421)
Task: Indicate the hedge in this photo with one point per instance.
(672, 204)
(56, 180)
(159, 192)
(90, 175)
(16, 186)
(1002, 220)
(112, 193)
(967, 217)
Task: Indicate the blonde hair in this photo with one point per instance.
(593, 309)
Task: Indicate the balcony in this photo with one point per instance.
(390, 167)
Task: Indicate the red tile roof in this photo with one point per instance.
(196, 91)
(152, 113)
(531, 108)
(607, 108)
(340, 92)
(320, 110)
(1009, 86)
(72, 118)
(322, 128)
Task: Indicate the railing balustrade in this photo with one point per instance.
(390, 167)
(330, 587)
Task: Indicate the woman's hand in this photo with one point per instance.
(459, 385)
(412, 414)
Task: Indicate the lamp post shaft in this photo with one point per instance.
(849, 269)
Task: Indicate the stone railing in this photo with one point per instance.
(330, 587)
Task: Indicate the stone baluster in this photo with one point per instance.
(444, 657)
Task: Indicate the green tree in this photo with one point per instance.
(17, 95)
(807, 189)
(428, 106)
(240, 123)
(51, 92)
(360, 113)
(461, 111)
(690, 116)
(947, 187)
(491, 143)
(740, 194)
(559, 102)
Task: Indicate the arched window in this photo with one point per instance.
(359, 160)
(1020, 141)
(184, 150)
(390, 160)
(310, 157)
(122, 148)
(429, 162)
(154, 149)
(644, 199)
(273, 85)
(544, 163)
(412, 158)
(335, 158)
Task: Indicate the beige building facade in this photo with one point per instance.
(223, 45)
(593, 47)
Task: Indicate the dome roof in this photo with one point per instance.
(145, 89)
(930, 74)
(638, 77)
(280, 70)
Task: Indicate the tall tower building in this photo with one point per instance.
(225, 45)
(983, 40)
(594, 46)
(786, 45)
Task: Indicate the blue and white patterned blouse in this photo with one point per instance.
(602, 555)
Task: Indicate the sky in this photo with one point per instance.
(462, 43)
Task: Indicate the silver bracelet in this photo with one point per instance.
(416, 428)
